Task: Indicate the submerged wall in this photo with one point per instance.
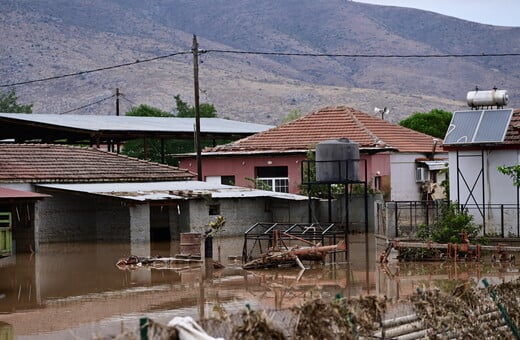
(242, 213)
(78, 217)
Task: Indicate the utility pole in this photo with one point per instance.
(117, 101)
(117, 114)
(195, 51)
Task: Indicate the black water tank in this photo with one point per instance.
(337, 161)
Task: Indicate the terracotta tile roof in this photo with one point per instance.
(513, 131)
(71, 164)
(334, 123)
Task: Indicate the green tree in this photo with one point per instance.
(512, 171)
(292, 115)
(434, 123)
(450, 226)
(8, 103)
(144, 110)
(135, 148)
(185, 111)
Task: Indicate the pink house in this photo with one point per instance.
(393, 153)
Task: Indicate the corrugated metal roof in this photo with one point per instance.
(13, 193)
(98, 123)
(435, 164)
(153, 191)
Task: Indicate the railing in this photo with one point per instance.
(403, 218)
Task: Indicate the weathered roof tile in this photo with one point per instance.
(334, 123)
(72, 164)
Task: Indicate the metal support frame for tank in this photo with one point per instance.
(309, 180)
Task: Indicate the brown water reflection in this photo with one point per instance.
(71, 289)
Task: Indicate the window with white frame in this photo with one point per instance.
(273, 178)
(421, 174)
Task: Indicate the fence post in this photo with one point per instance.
(502, 219)
(143, 327)
(396, 220)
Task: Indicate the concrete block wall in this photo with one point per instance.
(356, 206)
(242, 213)
(285, 211)
(112, 220)
(179, 219)
(66, 218)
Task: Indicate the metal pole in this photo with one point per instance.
(366, 199)
(502, 219)
(458, 183)
(117, 101)
(483, 193)
(195, 51)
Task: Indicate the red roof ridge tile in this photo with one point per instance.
(364, 128)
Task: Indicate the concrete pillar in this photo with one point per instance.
(140, 229)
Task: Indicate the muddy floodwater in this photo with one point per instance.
(76, 291)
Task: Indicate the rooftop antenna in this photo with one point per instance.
(384, 111)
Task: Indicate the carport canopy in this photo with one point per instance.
(109, 130)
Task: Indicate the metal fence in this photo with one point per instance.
(403, 218)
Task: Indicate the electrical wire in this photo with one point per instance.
(290, 54)
(87, 105)
(295, 54)
(94, 70)
(122, 96)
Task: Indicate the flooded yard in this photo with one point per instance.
(76, 291)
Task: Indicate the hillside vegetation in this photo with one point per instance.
(46, 38)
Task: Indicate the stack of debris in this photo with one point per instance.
(492, 312)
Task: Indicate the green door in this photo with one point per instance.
(6, 234)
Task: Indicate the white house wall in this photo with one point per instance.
(402, 174)
(493, 191)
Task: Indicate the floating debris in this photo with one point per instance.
(464, 312)
(283, 255)
(178, 262)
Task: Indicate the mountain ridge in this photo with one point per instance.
(56, 37)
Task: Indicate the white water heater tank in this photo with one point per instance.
(487, 98)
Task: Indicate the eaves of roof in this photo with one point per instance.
(8, 193)
(172, 190)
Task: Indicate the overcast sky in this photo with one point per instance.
(492, 12)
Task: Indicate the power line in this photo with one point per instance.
(128, 100)
(87, 105)
(95, 70)
(330, 55)
(290, 54)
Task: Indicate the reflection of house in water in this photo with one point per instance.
(402, 279)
